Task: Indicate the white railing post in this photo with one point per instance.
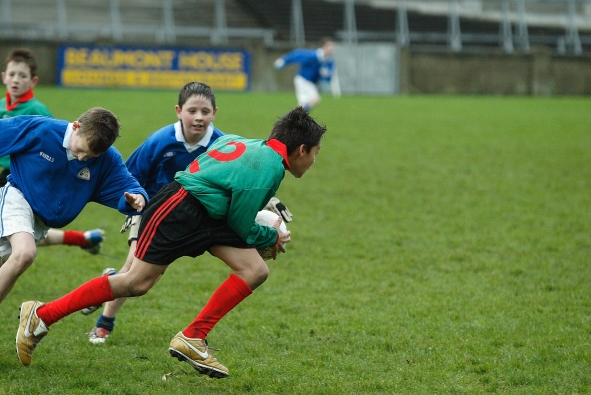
(453, 27)
(169, 26)
(402, 33)
(572, 32)
(116, 31)
(506, 28)
(350, 23)
(220, 32)
(522, 35)
(297, 36)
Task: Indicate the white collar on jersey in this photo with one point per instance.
(178, 132)
(67, 138)
(320, 55)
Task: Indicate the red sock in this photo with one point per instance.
(228, 295)
(75, 238)
(92, 293)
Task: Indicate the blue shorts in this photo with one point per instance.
(176, 224)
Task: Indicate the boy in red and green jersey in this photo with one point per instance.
(228, 179)
(20, 77)
(210, 207)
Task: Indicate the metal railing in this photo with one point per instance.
(513, 16)
(165, 31)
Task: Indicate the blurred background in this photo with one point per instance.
(384, 47)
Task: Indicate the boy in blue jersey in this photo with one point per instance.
(211, 206)
(154, 164)
(316, 66)
(20, 77)
(57, 167)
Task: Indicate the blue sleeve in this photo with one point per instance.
(115, 182)
(140, 163)
(18, 134)
(300, 56)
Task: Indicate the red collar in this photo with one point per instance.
(28, 95)
(281, 149)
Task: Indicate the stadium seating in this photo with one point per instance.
(561, 25)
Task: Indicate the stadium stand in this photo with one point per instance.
(564, 26)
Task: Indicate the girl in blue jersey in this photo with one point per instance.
(57, 167)
(211, 206)
(316, 66)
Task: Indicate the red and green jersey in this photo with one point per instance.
(234, 179)
(25, 105)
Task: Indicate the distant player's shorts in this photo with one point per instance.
(176, 224)
(17, 216)
(306, 91)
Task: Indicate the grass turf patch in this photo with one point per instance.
(440, 245)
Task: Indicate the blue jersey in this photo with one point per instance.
(155, 162)
(56, 187)
(313, 65)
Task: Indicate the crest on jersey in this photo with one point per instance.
(84, 174)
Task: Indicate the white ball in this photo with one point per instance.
(268, 218)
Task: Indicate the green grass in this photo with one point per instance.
(440, 246)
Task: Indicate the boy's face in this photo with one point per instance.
(300, 160)
(328, 48)
(17, 79)
(195, 116)
(79, 145)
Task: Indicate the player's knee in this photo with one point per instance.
(139, 288)
(259, 274)
(22, 259)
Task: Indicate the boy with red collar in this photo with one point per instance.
(20, 77)
(211, 206)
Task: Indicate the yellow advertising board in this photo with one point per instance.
(155, 68)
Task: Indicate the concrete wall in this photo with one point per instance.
(538, 73)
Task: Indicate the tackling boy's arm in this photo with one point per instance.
(17, 132)
(137, 201)
(118, 188)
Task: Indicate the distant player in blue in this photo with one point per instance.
(316, 66)
(154, 164)
(57, 167)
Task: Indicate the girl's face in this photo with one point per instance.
(195, 116)
(17, 79)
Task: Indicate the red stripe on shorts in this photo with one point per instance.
(155, 220)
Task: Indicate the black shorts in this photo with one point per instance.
(176, 224)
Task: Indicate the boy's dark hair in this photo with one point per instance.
(297, 127)
(100, 128)
(23, 55)
(196, 89)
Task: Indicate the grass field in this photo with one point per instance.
(441, 245)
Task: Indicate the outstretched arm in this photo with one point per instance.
(136, 200)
